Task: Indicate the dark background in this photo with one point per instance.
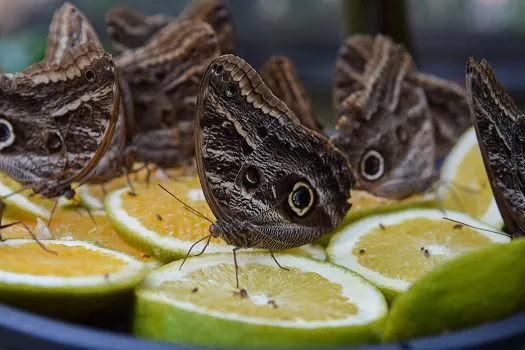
(441, 34)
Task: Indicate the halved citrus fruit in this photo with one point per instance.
(77, 224)
(69, 279)
(365, 204)
(92, 196)
(26, 204)
(154, 222)
(311, 303)
(473, 289)
(393, 250)
(466, 185)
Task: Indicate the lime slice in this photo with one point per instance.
(154, 222)
(310, 304)
(78, 225)
(365, 204)
(473, 289)
(75, 279)
(467, 187)
(393, 250)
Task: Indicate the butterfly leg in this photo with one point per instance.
(52, 211)
(234, 251)
(103, 188)
(129, 183)
(274, 259)
(208, 237)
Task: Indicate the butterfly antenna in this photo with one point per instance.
(208, 237)
(20, 190)
(477, 228)
(188, 207)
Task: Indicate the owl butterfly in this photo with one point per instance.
(163, 77)
(446, 100)
(280, 75)
(385, 127)
(57, 119)
(500, 128)
(129, 30)
(70, 28)
(271, 182)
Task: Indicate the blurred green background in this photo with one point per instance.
(441, 34)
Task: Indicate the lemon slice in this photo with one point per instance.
(156, 223)
(92, 196)
(78, 225)
(27, 204)
(73, 279)
(365, 204)
(467, 187)
(310, 304)
(393, 250)
(473, 289)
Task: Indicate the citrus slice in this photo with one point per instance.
(473, 289)
(92, 196)
(69, 279)
(154, 222)
(76, 224)
(310, 304)
(365, 204)
(27, 204)
(393, 250)
(467, 187)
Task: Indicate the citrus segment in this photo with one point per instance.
(467, 187)
(311, 303)
(365, 204)
(470, 290)
(69, 279)
(393, 250)
(155, 222)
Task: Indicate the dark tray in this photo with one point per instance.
(21, 330)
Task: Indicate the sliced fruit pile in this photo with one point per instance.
(311, 303)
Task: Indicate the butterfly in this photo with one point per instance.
(500, 128)
(271, 182)
(129, 30)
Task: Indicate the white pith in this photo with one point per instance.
(370, 302)
(22, 202)
(340, 248)
(450, 166)
(130, 270)
(88, 199)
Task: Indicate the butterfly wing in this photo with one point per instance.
(448, 107)
(164, 77)
(253, 155)
(61, 117)
(500, 129)
(129, 30)
(69, 28)
(384, 127)
(279, 74)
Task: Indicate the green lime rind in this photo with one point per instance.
(428, 201)
(475, 288)
(157, 317)
(71, 297)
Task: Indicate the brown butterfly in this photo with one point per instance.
(500, 128)
(385, 126)
(129, 30)
(70, 28)
(57, 119)
(280, 75)
(271, 182)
